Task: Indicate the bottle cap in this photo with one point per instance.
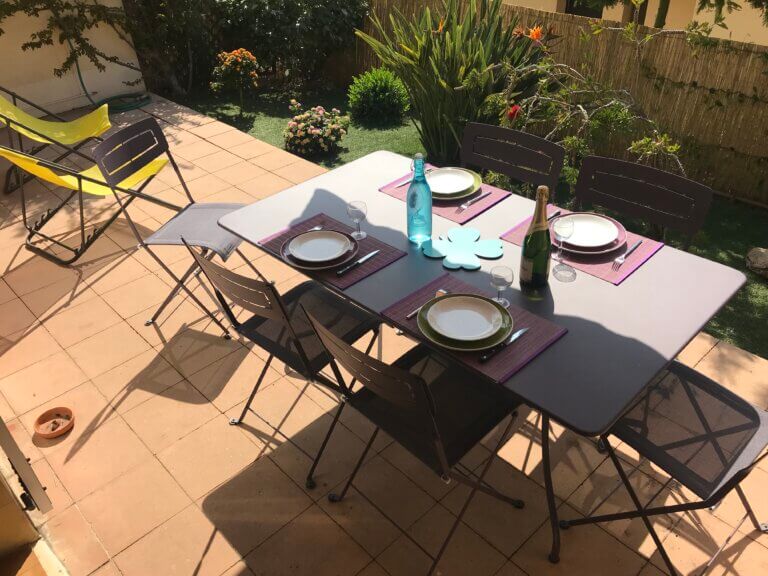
(543, 190)
(419, 156)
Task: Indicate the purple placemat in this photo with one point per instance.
(540, 336)
(599, 265)
(449, 209)
(385, 257)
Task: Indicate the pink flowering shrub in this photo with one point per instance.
(314, 131)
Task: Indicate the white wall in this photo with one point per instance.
(30, 72)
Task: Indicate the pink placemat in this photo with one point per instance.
(449, 209)
(385, 257)
(540, 336)
(599, 265)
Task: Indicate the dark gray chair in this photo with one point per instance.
(435, 409)
(131, 149)
(701, 434)
(279, 325)
(519, 155)
(652, 195)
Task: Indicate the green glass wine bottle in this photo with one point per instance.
(534, 262)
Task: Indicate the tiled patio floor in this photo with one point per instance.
(153, 480)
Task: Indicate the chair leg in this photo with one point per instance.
(333, 497)
(554, 553)
(310, 483)
(761, 526)
(172, 294)
(236, 421)
(639, 507)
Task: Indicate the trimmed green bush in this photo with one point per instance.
(378, 97)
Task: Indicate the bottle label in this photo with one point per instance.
(526, 270)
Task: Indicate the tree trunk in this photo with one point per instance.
(661, 14)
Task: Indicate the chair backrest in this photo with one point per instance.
(519, 155)
(638, 191)
(129, 150)
(258, 297)
(699, 432)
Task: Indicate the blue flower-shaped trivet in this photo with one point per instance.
(462, 248)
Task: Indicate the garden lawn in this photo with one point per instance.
(731, 229)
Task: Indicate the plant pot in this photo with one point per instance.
(54, 422)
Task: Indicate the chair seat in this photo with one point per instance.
(198, 224)
(466, 408)
(345, 320)
(697, 431)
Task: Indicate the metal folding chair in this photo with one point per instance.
(279, 325)
(519, 155)
(701, 434)
(649, 194)
(128, 152)
(432, 407)
(70, 135)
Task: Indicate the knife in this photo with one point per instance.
(411, 179)
(493, 351)
(554, 215)
(357, 263)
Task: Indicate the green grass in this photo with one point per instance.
(731, 230)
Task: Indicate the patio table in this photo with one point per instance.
(619, 337)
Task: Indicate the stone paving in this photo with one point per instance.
(153, 480)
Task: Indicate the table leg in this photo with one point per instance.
(554, 554)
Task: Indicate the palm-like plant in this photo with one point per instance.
(450, 63)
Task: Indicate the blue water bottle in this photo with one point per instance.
(419, 203)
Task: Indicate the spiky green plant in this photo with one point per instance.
(450, 63)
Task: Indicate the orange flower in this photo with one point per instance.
(440, 26)
(536, 33)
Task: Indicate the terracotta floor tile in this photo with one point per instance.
(239, 569)
(231, 195)
(211, 129)
(186, 544)
(392, 492)
(6, 293)
(195, 150)
(699, 347)
(47, 301)
(40, 382)
(511, 569)
(586, 551)
(240, 172)
(6, 412)
(362, 521)
(79, 322)
(229, 140)
(170, 415)
(60, 498)
(209, 456)
(417, 471)
(731, 510)
(117, 274)
(137, 380)
(739, 371)
(108, 569)
(202, 187)
(252, 149)
(314, 534)
(217, 161)
(275, 159)
(109, 452)
(137, 295)
(298, 172)
(373, 569)
(501, 524)
(25, 348)
(14, 317)
(741, 557)
(229, 380)
(596, 489)
(192, 350)
(107, 349)
(35, 273)
(265, 185)
(253, 505)
(74, 542)
(179, 315)
(142, 499)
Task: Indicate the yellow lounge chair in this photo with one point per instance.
(88, 181)
(70, 135)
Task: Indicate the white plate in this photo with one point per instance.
(319, 246)
(449, 181)
(591, 230)
(464, 318)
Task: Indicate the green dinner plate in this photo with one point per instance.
(468, 192)
(461, 346)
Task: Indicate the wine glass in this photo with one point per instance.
(501, 279)
(356, 211)
(563, 229)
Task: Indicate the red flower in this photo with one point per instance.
(514, 111)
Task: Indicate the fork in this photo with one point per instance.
(413, 313)
(469, 203)
(621, 259)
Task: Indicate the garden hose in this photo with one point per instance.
(118, 103)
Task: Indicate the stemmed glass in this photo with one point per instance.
(563, 229)
(356, 211)
(501, 279)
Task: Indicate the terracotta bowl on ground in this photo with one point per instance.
(54, 422)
